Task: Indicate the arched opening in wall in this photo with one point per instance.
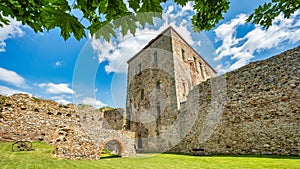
(112, 148)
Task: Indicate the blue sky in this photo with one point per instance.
(92, 71)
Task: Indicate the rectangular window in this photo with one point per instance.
(139, 68)
(155, 56)
(201, 69)
(158, 111)
(182, 54)
(184, 89)
(158, 85)
(142, 94)
(195, 64)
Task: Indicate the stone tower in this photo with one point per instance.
(160, 77)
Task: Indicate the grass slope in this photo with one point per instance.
(41, 158)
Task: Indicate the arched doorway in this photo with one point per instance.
(114, 146)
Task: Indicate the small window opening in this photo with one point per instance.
(184, 89)
(142, 94)
(201, 69)
(195, 64)
(155, 56)
(158, 110)
(139, 68)
(182, 54)
(158, 85)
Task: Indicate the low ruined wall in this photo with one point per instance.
(27, 118)
(252, 110)
(114, 119)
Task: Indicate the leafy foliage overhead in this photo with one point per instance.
(43, 15)
(264, 15)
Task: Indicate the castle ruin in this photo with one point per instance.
(174, 104)
(160, 78)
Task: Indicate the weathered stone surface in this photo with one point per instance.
(160, 77)
(260, 114)
(28, 118)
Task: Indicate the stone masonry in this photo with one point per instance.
(175, 104)
(160, 77)
(27, 118)
(252, 110)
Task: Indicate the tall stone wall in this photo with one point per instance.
(159, 80)
(252, 110)
(151, 94)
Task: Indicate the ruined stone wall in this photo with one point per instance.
(252, 110)
(27, 118)
(114, 119)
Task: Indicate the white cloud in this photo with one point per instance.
(58, 63)
(242, 49)
(117, 54)
(10, 31)
(56, 88)
(92, 101)
(60, 99)
(8, 91)
(12, 77)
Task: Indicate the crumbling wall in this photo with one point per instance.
(28, 118)
(114, 119)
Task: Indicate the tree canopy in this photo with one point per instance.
(43, 15)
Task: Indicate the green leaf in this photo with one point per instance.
(126, 23)
(134, 4)
(106, 32)
(208, 13)
(264, 15)
(181, 2)
(3, 21)
(151, 6)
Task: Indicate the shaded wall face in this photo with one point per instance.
(152, 108)
(151, 93)
(260, 114)
(114, 119)
(159, 81)
(162, 49)
(190, 69)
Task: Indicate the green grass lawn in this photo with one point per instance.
(41, 157)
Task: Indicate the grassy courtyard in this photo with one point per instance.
(41, 158)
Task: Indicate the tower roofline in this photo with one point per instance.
(159, 35)
(149, 43)
(170, 27)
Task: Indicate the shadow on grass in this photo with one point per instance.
(111, 156)
(241, 155)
